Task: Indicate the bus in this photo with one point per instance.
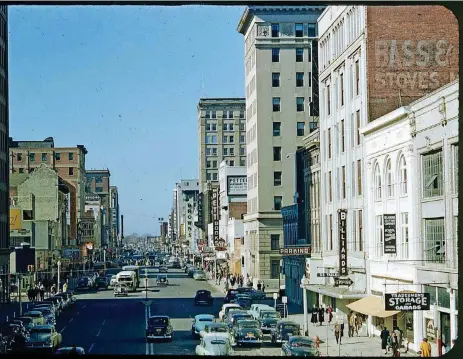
(135, 269)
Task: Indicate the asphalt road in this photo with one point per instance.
(102, 324)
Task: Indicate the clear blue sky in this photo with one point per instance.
(125, 82)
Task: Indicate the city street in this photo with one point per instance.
(102, 324)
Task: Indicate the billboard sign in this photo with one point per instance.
(15, 219)
(390, 242)
(342, 213)
(215, 218)
(237, 186)
(407, 301)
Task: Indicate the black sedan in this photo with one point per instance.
(238, 315)
(283, 330)
(84, 283)
(203, 297)
(253, 293)
(162, 280)
(247, 332)
(243, 300)
(269, 320)
(300, 346)
(159, 327)
(102, 283)
(231, 294)
(176, 265)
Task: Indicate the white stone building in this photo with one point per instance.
(185, 197)
(412, 174)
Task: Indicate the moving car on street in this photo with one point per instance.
(231, 293)
(246, 332)
(102, 283)
(253, 293)
(159, 327)
(225, 306)
(84, 283)
(199, 275)
(237, 315)
(163, 269)
(199, 322)
(215, 329)
(283, 330)
(300, 346)
(269, 320)
(257, 308)
(243, 300)
(214, 346)
(120, 290)
(44, 337)
(203, 297)
(176, 265)
(135, 269)
(229, 311)
(162, 280)
(129, 279)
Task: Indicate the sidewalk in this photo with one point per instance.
(221, 287)
(350, 347)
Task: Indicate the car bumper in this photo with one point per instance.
(267, 329)
(250, 341)
(203, 301)
(39, 346)
(155, 336)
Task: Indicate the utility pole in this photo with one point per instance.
(19, 296)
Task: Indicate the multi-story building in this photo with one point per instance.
(221, 137)
(367, 67)
(69, 162)
(4, 133)
(280, 109)
(163, 230)
(114, 210)
(411, 211)
(98, 182)
(93, 205)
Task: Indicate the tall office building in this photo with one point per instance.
(279, 62)
(114, 205)
(221, 137)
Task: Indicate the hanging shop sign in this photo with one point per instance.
(215, 219)
(407, 301)
(296, 251)
(390, 242)
(220, 245)
(327, 275)
(341, 282)
(189, 220)
(342, 213)
(237, 185)
(199, 224)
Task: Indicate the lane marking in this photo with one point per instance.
(70, 320)
(62, 330)
(91, 347)
(104, 321)
(84, 306)
(98, 334)
(186, 310)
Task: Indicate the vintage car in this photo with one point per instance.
(161, 279)
(85, 283)
(246, 332)
(36, 315)
(215, 329)
(70, 351)
(253, 293)
(231, 293)
(300, 346)
(176, 265)
(224, 308)
(43, 337)
(214, 346)
(199, 322)
(120, 290)
(48, 315)
(68, 298)
(283, 330)
(199, 275)
(28, 322)
(203, 297)
(243, 300)
(237, 315)
(191, 271)
(269, 320)
(159, 327)
(113, 280)
(101, 283)
(229, 311)
(163, 269)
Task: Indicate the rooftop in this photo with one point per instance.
(98, 172)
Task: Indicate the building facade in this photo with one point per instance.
(412, 188)
(93, 205)
(114, 210)
(185, 200)
(279, 41)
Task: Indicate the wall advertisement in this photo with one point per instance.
(215, 218)
(15, 219)
(390, 242)
(237, 185)
(342, 220)
(189, 235)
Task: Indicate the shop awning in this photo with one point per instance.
(371, 305)
(335, 292)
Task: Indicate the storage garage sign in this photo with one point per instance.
(407, 301)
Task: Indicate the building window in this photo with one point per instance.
(433, 174)
(71, 156)
(276, 104)
(214, 176)
(277, 153)
(379, 237)
(275, 55)
(353, 180)
(231, 150)
(242, 139)
(277, 178)
(276, 79)
(242, 162)
(299, 79)
(299, 30)
(232, 163)
(274, 268)
(98, 179)
(300, 128)
(331, 232)
(311, 30)
(274, 242)
(299, 104)
(403, 176)
(357, 116)
(243, 151)
(341, 85)
(277, 203)
(71, 171)
(241, 114)
(242, 126)
(359, 177)
(389, 181)
(434, 246)
(44, 157)
(404, 232)
(19, 157)
(208, 164)
(330, 189)
(214, 114)
(343, 181)
(377, 183)
(310, 79)
(208, 114)
(225, 151)
(231, 139)
(214, 164)
(32, 156)
(455, 169)
(360, 230)
(357, 78)
(343, 141)
(98, 189)
(328, 100)
(208, 176)
(275, 30)
(276, 129)
(299, 55)
(329, 143)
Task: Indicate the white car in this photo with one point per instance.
(113, 281)
(211, 345)
(215, 330)
(224, 307)
(199, 322)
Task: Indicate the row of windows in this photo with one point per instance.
(356, 243)
(300, 129)
(251, 134)
(299, 53)
(70, 170)
(340, 134)
(252, 157)
(342, 180)
(226, 151)
(225, 114)
(32, 158)
(252, 181)
(212, 126)
(251, 110)
(251, 87)
(299, 79)
(298, 30)
(2, 57)
(300, 104)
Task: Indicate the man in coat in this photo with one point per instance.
(384, 339)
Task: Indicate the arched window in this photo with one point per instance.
(389, 182)
(377, 183)
(403, 176)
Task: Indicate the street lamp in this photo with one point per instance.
(59, 273)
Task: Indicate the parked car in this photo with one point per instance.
(47, 315)
(36, 316)
(300, 346)
(191, 271)
(162, 280)
(28, 322)
(199, 275)
(44, 336)
(216, 330)
(102, 283)
(176, 265)
(199, 322)
(214, 346)
(84, 283)
(70, 350)
(204, 297)
(283, 330)
(159, 327)
(246, 332)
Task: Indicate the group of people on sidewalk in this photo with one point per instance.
(38, 291)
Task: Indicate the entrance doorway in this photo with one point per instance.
(445, 328)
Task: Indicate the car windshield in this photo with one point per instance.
(290, 327)
(300, 343)
(271, 315)
(158, 321)
(45, 311)
(242, 316)
(205, 319)
(219, 329)
(162, 277)
(40, 331)
(249, 325)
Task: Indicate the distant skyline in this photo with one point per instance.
(124, 81)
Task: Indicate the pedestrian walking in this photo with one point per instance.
(329, 311)
(425, 348)
(337, 333)
(314, 319)
(259, 286)
(317, 341)
(42, 293)
(321, 315)
(399, 334)
(384, 339)
(393, 344)
(263, 286)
